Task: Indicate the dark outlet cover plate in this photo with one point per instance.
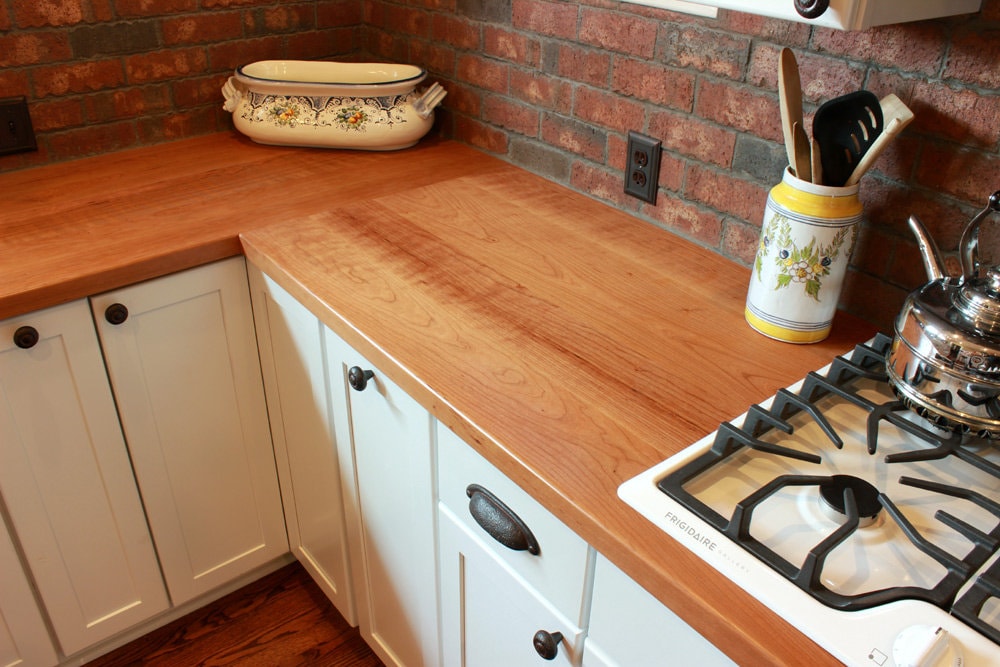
(16, 133)
(642, 166)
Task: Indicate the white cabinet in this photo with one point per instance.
(24, 640)
(293, 359)
(393, 548)
(497, 597)
(66, 482)
(183, 364)
(839, 14)
(628, 627)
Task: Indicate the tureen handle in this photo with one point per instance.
(232, 95)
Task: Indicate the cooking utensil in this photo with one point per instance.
(896, 116)
(790, 102)
(432, 97)
(845, 128)
(945, 358)
(817, 164)
(803, 152)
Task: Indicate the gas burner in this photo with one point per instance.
(848, 497)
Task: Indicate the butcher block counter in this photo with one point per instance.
(571, 344)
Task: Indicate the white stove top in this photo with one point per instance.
(854, 573)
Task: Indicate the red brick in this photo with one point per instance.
(740, 241)
(821, 77)
(228, 56)
(514, 47)
(969, 52)
(318, 44)
(80, 77)
(687, 219)
(607, 110)
(694, 138)
(194, 92)
(56, 114)
(464, 100)
(127, 103)
(990, 11)
(969, 175)
(726, 193)
(457, 32)
(201, 28)
(510, 116)
(101, 10)
(788, 33)
(432, 57)
(36, 13)
(707, 51)
(871, 299)
(619, 32)
(572, 136)
(481, 135)
(14, 83)
(91, 140)
(650, 81)
(602, 184)
(556, 19)
(483, 73)
(288, 18)
(162, 65)
(212, 4)
(541, 90)
(5, 20)
(963, 116)
(337, 13)
(740, 109)
(33, 48)
(409, 21)
(591, 67)
(133, 8)
(913, 47)
(177, 125)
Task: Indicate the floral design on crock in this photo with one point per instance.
(347, 113)
(807, 265)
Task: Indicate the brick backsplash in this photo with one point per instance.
(554, 86)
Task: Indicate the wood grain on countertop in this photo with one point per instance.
(572, 345)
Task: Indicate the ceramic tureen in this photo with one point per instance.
(369, 106)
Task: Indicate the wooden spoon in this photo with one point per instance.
(897, 116)
(817, 163)
(803, 152)
(790, 101)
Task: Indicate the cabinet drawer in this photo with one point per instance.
(559, 570)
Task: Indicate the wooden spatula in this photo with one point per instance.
(790, 101)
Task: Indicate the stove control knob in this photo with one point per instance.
(926, 646)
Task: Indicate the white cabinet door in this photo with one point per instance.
(24, 641)
(628, 627)
(186, 376)
(293, 360)
(67, 484)
(396, 578)
(491, 616)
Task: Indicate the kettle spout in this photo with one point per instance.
(928, 250)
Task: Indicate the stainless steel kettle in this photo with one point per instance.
(944, 361)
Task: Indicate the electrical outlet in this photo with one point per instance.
(642, 166)
(16, 133)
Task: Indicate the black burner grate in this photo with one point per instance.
(839, 379)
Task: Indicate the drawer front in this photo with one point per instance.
(558, 571)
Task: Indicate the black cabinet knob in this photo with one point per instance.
(547, 644)
(811, 9)
(116, 313)
(358, 378)
(26, 337)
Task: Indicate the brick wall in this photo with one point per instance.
(103, 75)
(554, 86)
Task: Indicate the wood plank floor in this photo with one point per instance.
(280, 620)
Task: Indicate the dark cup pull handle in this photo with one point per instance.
(116, 314)
(547, 644)
(26, 337)
(811, 9)
(358, 378)
(502, 524)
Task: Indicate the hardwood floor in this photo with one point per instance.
(280, 620)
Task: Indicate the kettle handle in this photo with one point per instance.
(969, 245)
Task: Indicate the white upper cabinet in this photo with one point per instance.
(185, 372)
(840, 14)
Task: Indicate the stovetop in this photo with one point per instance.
(853, 507)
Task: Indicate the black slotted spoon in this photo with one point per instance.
(845, 128)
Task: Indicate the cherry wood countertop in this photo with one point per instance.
(571, 344)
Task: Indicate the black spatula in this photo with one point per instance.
(845, 128)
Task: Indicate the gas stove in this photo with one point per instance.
(872, 531)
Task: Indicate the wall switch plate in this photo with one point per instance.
(16, 133)
(642, 166)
